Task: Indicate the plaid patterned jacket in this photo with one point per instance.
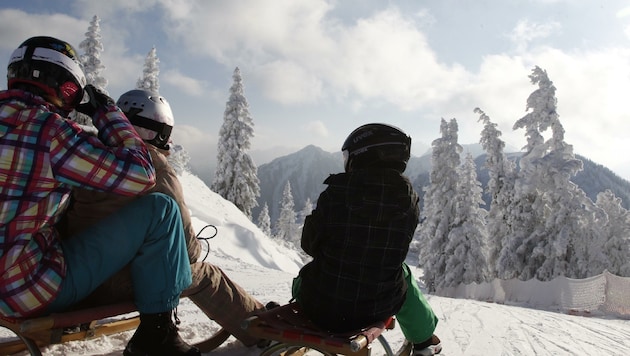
(41, 156)
(359, 236)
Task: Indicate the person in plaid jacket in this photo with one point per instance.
(359, 235)
(42, 156)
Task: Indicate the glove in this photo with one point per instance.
(97, 99)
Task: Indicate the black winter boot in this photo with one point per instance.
(157, 336)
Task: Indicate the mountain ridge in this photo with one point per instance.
(307, 168)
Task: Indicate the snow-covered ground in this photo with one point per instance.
(466, 327)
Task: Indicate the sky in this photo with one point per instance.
(315, 70)
(466, 327)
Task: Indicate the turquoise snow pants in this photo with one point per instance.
(148, 235)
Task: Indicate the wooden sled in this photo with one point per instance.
(291, 333)
(82, 324)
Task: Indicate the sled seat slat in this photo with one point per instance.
(288, 325)
(50, 329)
(82, 323)
(72, 318)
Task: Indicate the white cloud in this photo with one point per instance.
(625, 12)
(288, 83)
(193, 139)
(186, 84)
(200, 145)
(383, 57)
(317, 128)
(526, 32)
(109, 8)
(17, 26)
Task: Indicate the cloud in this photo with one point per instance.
(194, 139)
(384, 57)
(200, 145)
(525, 32)
(625, 12)
(288, 83)
(106, 9)
(317, 128)
(186, 84)
(17, 26)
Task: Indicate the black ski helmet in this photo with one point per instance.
(376, 145)
(50, 65)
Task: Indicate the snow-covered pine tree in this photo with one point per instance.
(149, 79)
(179, 159)
(306, 210)
(91, 58)
(286, 228)
(465, 249)
(525, 211)
(236, 177)
(553, 222)
(92, 66)
(616, 232)
(439, 205)
(264, 222)
(500, 188)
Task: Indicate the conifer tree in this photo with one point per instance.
(92, 66)
(439, 205)
(236, 177)
(553, 223)
(616, 232)
(306, 210)
(500, 188)
(466, 243)
(286, 227)
(91, 58)
(179, 159)
(149, 79)
(264, 222)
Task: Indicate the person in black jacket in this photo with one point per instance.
(359, 235)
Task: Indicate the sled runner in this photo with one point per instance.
(81, 324)
(291, 333)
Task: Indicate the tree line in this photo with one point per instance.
(539, 224)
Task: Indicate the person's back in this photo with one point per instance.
(41, 154)
(359, 235)
(368, 218)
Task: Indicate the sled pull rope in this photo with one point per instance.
(205, 239)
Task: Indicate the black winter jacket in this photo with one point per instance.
(358, 236)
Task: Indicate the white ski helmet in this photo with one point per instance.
(150, 113)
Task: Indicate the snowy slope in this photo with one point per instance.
(466, 327)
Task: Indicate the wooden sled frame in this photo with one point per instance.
(291, 333)
(82, 324)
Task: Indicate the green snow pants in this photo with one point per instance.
(416, 318)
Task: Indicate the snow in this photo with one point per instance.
(466, 327)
